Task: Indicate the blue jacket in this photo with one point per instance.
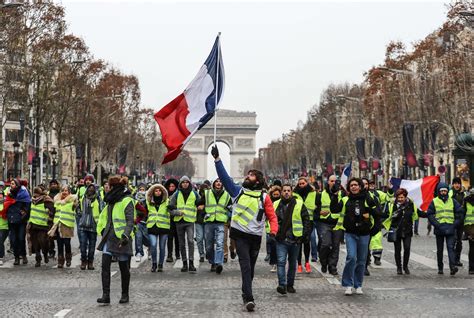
(445, 229)
(23, 203)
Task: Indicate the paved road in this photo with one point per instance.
(45, 292)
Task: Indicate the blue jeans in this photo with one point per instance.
(314, 243)
(271, 250)
(3, 237)
(18, 238)
(450, 247)
(141, 238)
(87, 242)
(357, 248)
(163, 238)
(286, 250)
(200, 238)
(215, 235)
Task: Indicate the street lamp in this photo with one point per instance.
(54, 155)
(16, 151)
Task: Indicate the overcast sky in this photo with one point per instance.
(278, 56)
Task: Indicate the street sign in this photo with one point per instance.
(442, 169)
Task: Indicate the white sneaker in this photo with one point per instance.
(274, 269)
(1, 262)
(359, 291)
(348, 291)
(138, 258)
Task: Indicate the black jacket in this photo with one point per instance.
(356, 206)
(284, 213)
(402, 218)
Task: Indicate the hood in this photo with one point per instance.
(184, 178)
(70, 198)
(440, 186)
(171, 181)
(149, 193)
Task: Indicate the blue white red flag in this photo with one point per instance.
(180, 119)
(346, 174)
(421, 191)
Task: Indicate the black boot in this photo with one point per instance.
(17, 261)
(153, 267)
(185, 266)
(191, 266)
(125, 275)
(106, 261)
(399, 270)
(38, 261)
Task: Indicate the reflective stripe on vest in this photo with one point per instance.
(188, 208)
(444, 210)
(246, 208)
(65, 214)
(309, 202)
(39, 214)
(118, 217)
(388, 222)
(296, 221)
(469, 219)
(160, 217)
(216, 211)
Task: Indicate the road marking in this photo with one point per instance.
(75, 260)
(113, 273)
(450, 288)
(389, 288)
(135, 264)
(464, 257)
(385, 264)
(428, 262)
(62, 313)
(330, 278)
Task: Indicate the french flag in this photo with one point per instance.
(180, 119)
(346, 174)
(421, 191)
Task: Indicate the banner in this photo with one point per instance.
(360, 149)
(408, 145)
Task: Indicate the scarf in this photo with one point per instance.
(116, 194)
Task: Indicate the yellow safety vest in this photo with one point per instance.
(388, 222)
(188, 208)
(469, 219)
(95, 208)
(296, 221)
(340, 220)
(3, 222)
(326, 204)
(160, 217)
(39, 214)
(65, 214)
(118, 217)
(309, 202)
(216, 211)
(444, 210)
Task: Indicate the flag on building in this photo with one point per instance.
(180, 119)
(421, 191)
(346, 174)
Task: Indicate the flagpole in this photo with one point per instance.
(217, 87)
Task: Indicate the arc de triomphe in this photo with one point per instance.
(237, 130)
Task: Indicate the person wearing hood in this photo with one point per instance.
(171, 186)
(358, 214)
(41, 215)
(252, 207)
(457, 193)
(325, 221)
(445, 214)
(16, 211)
(217, 208)
(115, 225)
(88, 213)
(53, 190)
(65, 204)
(294, 225)
(141, 233)
(306, 193)
(158, 223)
(469, 227)
(183, 208)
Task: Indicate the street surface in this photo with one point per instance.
(50, 292)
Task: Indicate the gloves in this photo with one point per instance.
(215, 152)
(123, 241)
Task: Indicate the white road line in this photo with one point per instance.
(8, 264)
(450, 288)
(330, 278)
(428, 262)
(464, 257)
(389, 288)
(62, 313)
(75, 261)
